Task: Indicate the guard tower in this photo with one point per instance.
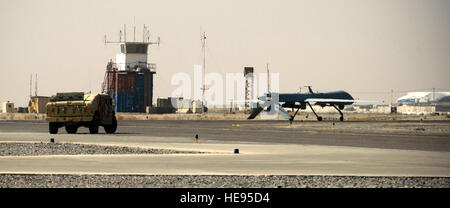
(249, 86)
(129, 80)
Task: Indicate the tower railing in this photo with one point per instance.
(133, 66)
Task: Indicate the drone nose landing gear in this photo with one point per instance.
(292, 117)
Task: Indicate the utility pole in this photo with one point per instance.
(35, 87)
(31, 85)
(268, 78)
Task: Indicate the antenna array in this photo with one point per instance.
(145, 36)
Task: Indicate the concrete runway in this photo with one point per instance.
(385, 135)
(266, 148)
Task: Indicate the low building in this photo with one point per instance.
(8, 107)
(416, 109)
(165, 105)
(178, 105)
(443, 105)
(37, 104)
(22, 110)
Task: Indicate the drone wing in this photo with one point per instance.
(326, 100)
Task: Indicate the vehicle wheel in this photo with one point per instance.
(111, 129)
(53, 128)
(71, 129)
(319, 118)
(93, 128)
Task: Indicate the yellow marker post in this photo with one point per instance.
(332, 127)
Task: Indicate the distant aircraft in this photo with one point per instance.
(338, 100)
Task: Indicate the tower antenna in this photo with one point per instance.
(203, 39)
(143, 34)
(125, 33)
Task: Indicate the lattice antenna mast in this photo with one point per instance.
(249, 86)
(203, 39)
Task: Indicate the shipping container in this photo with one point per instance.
(111, 81)
(131, 90)
(139, 92)
(126, 82)
(125, 102)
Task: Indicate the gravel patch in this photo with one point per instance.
(34, 149)
(215, 181)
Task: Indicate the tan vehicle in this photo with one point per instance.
(75, 109)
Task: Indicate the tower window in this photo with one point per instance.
(136, 48)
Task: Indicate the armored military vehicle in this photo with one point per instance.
(75, 109)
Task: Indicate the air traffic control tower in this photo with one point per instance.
(129, 80)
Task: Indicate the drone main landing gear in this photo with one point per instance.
(319, 118)
(340, 112)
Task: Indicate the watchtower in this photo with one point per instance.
(129, 80)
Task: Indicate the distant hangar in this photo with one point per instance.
(424, 102)
(423, 97)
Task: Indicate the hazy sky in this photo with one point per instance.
(365, 47)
